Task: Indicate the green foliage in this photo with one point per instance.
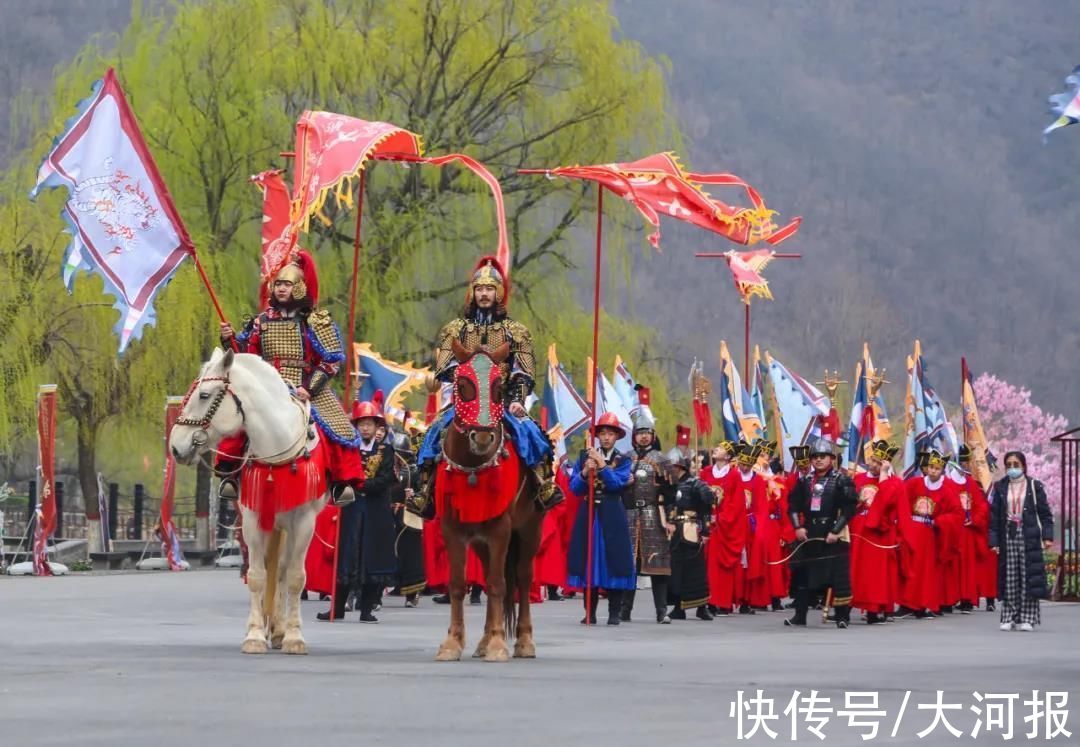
(217, 88)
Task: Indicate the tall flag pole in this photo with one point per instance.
(983, 462)
(45, 511)
(875, 379)
(746, 268)
(170, 538)
(123, 223)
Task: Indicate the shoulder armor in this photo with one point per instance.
(443, 354)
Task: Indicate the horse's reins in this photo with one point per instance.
(285, 456)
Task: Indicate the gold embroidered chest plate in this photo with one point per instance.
(282, 340)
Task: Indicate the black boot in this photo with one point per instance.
(990, 606)
(873, 618)
(843, 616)
(677, 613)
(441, 599)
(474, 595)
(591, 597)
(553, 593)
(340, 597)
(703, 613)
(777, 605)
(627, 605)
(802, 606)
(614, 606)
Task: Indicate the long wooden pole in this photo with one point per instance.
(746, 347)
(595, 373)
(213, 296)
(351, 334)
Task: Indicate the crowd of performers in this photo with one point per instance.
(733, 533)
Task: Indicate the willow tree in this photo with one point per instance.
(217, 88)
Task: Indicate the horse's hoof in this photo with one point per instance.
(253, 646)
(277, 641)
(524, 650)
(295, 646)
(448, 654)
(497, 654)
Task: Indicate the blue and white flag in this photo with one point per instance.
(562, 405)
(123, 223)
(800, 407)
(927, 424)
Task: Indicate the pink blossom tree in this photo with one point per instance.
(1014, 423)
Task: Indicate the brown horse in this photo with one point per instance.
(485, 499)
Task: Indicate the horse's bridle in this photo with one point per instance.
(497, 453)
(201, 436)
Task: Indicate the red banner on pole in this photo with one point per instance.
(45, 512)
(659, 187)
(170, 541)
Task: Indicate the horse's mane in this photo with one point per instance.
(264, 372)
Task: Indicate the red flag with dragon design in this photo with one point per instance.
(658, 186)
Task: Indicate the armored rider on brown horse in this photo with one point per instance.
(472, 458)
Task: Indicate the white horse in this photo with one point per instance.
(242, 392)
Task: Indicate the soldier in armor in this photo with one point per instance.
(484, 323)
(305, 346)
(690, 501)
(821, 505)
(649, 528)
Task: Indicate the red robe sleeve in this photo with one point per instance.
(728, 537)
(783, 488)
(907, 493)
(882, 515)
(980, 517)
(948, 519)
(759, 508)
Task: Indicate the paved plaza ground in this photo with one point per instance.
(153, 659)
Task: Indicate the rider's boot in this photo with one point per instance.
(422, 503)
(548, 494)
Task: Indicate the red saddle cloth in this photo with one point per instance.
(493, 492)
(272, 489)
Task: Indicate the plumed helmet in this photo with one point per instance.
(300, 271)
(488, 271)
(822, 446)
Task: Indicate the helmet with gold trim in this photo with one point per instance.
(488, 272)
